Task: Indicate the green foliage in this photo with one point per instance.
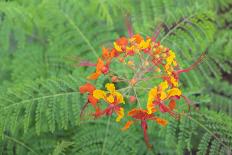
(42, 42)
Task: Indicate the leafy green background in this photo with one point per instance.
(42, 42)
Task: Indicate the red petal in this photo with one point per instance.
(92, 100)
(87, 88)
(164, 108)
(146, 138)
(172, 104)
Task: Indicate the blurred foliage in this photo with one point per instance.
(41, 43)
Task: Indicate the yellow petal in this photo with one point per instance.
(110, 87)
(145, 44)
(117, 47)
(164, 85)
(151, 97)
(130, 48)
(170, 58)
(153, 92)
(174, 81)
(120, 114)
(174, 92)
(163, 95)
(149, 107)
(110, 99)
(174, 63)
(99, 94)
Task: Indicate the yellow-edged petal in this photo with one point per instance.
(120, 98)
(149, 106)
(151, 97)
(120, 114)
(99, 94)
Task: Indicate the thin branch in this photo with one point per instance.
(20, 143)
(206, 129)
(82, 34)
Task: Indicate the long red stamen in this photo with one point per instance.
(86, 63)
(199, 60)
(129, 26)
(156, 33)
(187, 101)
(83, 108)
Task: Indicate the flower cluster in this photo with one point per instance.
(149, 64)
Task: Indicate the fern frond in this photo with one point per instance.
(45, 104)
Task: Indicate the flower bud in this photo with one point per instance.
(132, 99)
(133, 81)
(121, 59)
(130, 63)
(114, 79)
(105, 70)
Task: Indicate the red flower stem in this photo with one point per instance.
(146, 139)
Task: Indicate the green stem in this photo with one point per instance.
(106, 135)
(210, 132)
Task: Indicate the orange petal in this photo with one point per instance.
(133, 112)
(87, 88)
(105, 53)
(92, 100)
(113, 53)
(122, 41)
(127, 125)
(94, 76)
(100, 64)
(161, 121)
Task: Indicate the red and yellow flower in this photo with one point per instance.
(145, 57)
(113, 98)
